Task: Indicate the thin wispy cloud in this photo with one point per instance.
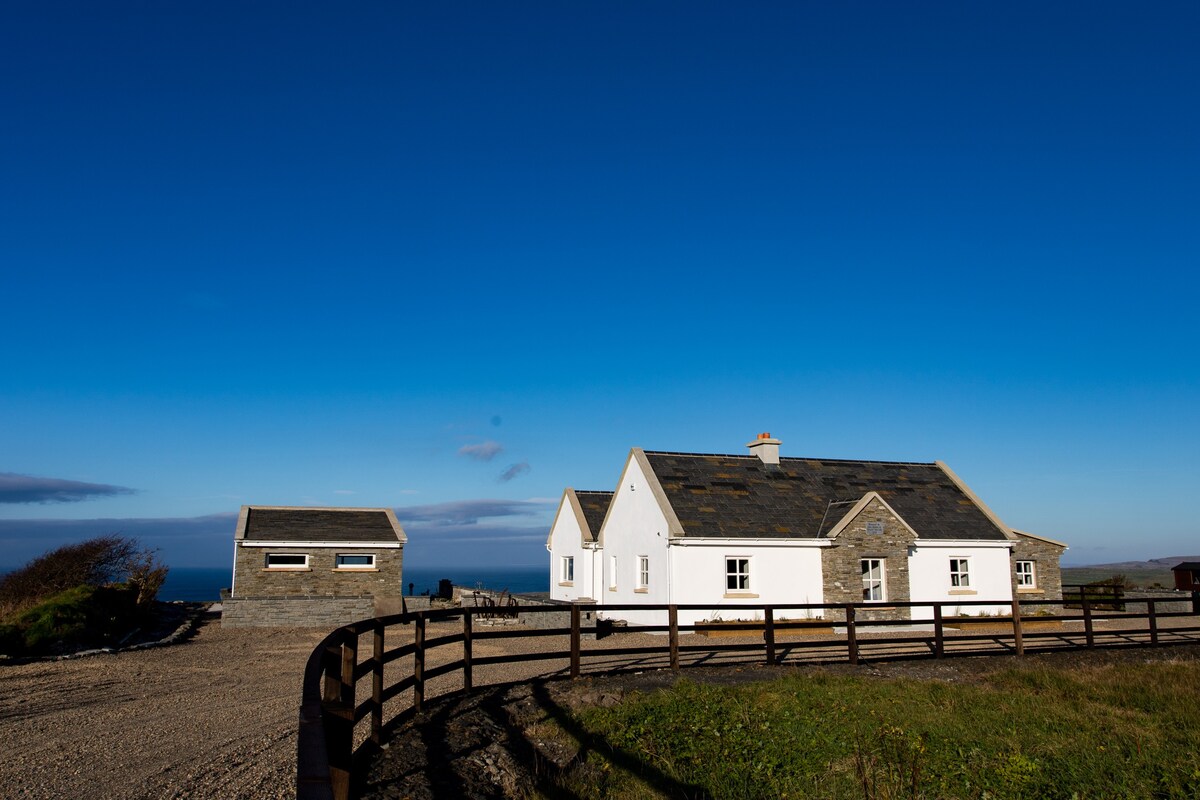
(214, 525)
(464, 512)
(344, 491)
(514, 471)
(15, 488)
(482, 451)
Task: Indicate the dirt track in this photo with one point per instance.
(213, 717)
(216, 715)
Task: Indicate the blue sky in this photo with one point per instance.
(454, 258)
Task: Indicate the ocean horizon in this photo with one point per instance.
(202, 584)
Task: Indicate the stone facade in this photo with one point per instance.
(321, 578)
(1047, 574)
(295, 612)
(841, 567)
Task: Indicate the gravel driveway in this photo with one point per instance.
(216, 716)
(212, 717)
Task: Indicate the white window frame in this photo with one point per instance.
(269, 556)
(1027, 578)
(566, 573)
(643, 576)
(960, 573)
(737, 575)
(337, 561)
(612, 573)
(873, 579)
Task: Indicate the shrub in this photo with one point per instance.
(84, 616)
(95, 562)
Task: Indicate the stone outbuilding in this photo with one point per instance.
(314, 567)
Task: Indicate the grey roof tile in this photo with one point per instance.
(595, 507)
(319, 525)
(731, 496)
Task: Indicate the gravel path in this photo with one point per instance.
(213, 717)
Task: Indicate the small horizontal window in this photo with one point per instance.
(356, 561)
(287, 560)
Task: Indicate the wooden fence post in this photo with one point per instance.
(1195, 602)
(1018, 637)
(1087, 620)
(468, 678)
(769, 634)
(1152, 618)
(575, 626)
(939, 632)
(851, 635)
(419, 662)
(377, 684)
(340, 724)
(673, 635)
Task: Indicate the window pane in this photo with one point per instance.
(356, 560)
(287, 560)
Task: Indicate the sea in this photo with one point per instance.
(205, 583)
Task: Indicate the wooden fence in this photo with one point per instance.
(333, 709)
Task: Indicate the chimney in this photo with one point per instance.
(766, 448)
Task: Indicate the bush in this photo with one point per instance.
(85, 616)
(96, 562)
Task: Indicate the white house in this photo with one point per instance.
(576, 570)
(726, 530)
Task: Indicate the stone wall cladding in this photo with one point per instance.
(841, 570)
(321, 578)
(295, 612)
(1046, 572)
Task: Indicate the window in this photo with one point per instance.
(612, 573)
(737, 574)
(1025, 575)
(287, 561)
(643, 572)
(960, 576)
(872, 578)
(356, 561)
(568, 570)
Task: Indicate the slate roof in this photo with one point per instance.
(354, 525)
(730, 496)
(1186, 565)
(595, 507)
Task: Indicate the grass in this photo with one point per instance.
(1124, 731)
(85, 616)
(1141, 578)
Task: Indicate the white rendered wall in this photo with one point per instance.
(635, 526)
(780, 572)
(566, 539)
(929, 577)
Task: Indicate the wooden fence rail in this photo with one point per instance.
(330, 715)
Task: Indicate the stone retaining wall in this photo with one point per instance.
(295, 612)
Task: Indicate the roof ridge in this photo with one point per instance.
(790, 458)
(592, 491)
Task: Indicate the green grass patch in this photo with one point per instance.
(1028, 732)
(1146, 578)
(85, 616)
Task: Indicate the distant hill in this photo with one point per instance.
(1154, 563)
(1139, 573)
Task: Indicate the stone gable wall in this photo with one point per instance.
(1047, 572)
(841, 570)
(295, 612)
(320, 578)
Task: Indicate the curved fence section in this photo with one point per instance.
(365, 678)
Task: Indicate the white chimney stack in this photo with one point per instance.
(766, 448)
